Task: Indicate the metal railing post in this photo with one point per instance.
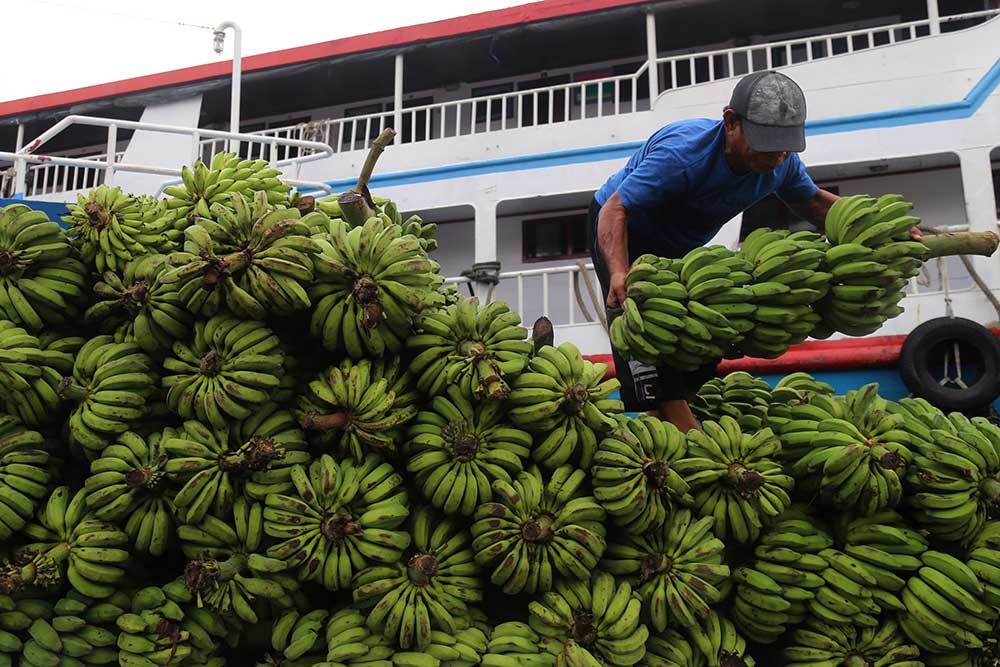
(397, 98)
(934, 16)
(651, 57)
(20, 166)
(109, 173)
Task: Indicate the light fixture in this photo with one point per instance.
(220, 41)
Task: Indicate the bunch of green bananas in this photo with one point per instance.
(224, 572)
(870, 259)
(297, 639)
(720, 643)
(793, 389)
(42, 283)
(128, 484)
(372, 281)
(137, 307)
(251, 257)
(209, 632)
(205, 185)
(75, 630)
(109, 228)
(352, 643)
(821, 644)
(430, 591)
(677, 569)
(229, 369)
(983, 555)
(944, 607)
(672, 649)
(773, 591)
(850, 451)
(786, 282)
(30, 374)
(886, 548)
(564, 400)
(739, 395)
(24, 475)
(733, 476)
(425, 231)
(597, 621)
(456, 449)
(151, 632)
(358, 406)
(478, 348)
(955, 476)
(515, 644)
(254, 456)
(344, 516)
(90, 554)
(463, 649)
(633, 475)
(537, 528)
(653, 313)
(110, 386)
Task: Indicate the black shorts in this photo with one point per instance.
(643, 386)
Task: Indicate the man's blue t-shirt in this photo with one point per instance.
(678, 190)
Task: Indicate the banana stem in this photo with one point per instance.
(961, 243)
(69, 390)
(378, 146)
(334, 421)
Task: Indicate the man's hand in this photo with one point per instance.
(616, 290)
(916, 234)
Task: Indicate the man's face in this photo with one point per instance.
(743, 155)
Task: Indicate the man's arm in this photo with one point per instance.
(815, 209)
(612, 241)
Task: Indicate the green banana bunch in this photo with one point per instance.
(536, 529)
(89, 554)
(983, 554)
(344, 516)
(152, 631)
(209, 632)
(30, 375)
(352, 643)
(109, 228)
(297, 639)
(24, 475)
(852, 452)
(206, 185)
(676, 569)
(564, 400)
(944, 605)
(253, 457)
(984, 657)
(633, 475)
(734, 477)
(774, 591)
(425, 231)
(885, 548)
(456, 449)
(515, 644)
(739, 395)
(372, 282)
(407, 601)
(718, 640)
(871, 257)
(226, 373)
(110, 385)
(358, 406)
(42, 283)
(955, 476)
(75, 630)
(672, 649)
(253, 258)
(478, 348)
(17, 616)
(167, 235)
(597, 620)
(821, 644)
(786, 282)
(793, 389)
(128, 484)
(137, 307)
(463, 649)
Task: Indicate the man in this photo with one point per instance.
(680, 187)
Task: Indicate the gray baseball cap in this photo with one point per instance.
(773, 109)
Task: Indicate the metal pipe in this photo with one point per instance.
(651, 57)
(20, 166)
(397, 98)
(234, 103)
(934, 16)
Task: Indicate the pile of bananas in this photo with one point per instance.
(220, 462)
(565, 401)
(870, 259)
(786, 282)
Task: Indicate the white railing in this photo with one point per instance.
(111, 163)
(679, 71)
(49, 177)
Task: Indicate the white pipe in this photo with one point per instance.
(20, 166)
(934, 16)
(651, 55)
(397, 100)
(234, 104)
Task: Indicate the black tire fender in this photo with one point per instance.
(916, 359)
